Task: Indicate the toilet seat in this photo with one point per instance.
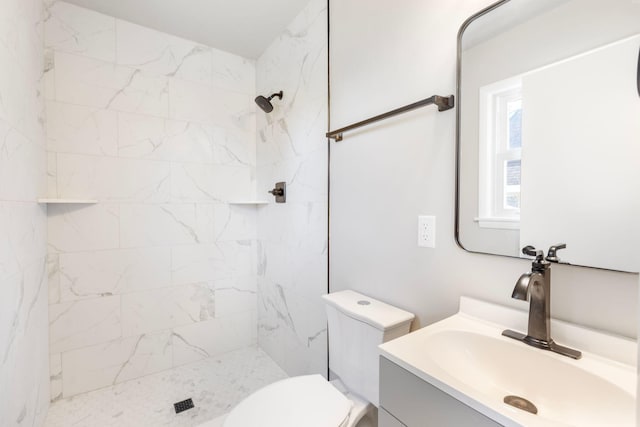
(309, 401)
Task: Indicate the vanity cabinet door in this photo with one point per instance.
(416, 403)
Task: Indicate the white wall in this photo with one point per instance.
(291, 147)
(382, 177)
(24, 383)
(161, 131)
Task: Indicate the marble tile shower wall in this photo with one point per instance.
(24, 366)
(292, 237)
(161, 131)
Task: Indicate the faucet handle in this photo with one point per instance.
(531, 251)
(552, 255)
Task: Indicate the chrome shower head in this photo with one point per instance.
(265, 103)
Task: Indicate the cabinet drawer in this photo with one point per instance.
(416, 403)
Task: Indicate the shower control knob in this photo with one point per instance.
(280, 192)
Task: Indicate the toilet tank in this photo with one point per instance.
(357, 326)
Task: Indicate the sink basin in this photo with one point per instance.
(560, 389)
(468, 358)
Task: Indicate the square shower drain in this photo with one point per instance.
(183, 405)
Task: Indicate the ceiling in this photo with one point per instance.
(243, 27)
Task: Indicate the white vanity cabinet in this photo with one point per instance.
(409, 401)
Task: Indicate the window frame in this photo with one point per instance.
(494, 152)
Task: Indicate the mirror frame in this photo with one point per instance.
(461, 31)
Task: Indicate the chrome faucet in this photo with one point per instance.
(535, 286)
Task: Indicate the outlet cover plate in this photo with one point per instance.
(427, 231)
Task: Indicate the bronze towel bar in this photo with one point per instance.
(443, 102)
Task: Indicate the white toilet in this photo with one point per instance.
(357, 325)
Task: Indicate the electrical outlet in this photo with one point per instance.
(427, 231)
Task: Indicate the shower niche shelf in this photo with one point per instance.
(249, 202)
(68, 201)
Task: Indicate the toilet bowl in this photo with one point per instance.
(357, 324)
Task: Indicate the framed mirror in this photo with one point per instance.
(548, 130)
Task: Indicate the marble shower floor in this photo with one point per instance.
(216, 385)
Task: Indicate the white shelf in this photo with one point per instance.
(68, 201)
(249, 202)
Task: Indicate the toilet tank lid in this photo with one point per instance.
(366, 309)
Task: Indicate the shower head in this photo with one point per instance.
(265, 103)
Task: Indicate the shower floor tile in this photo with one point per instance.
(215, 385)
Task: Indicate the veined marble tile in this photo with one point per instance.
(277, 335)
(300, 225)
(234, 147)
(163, 54)
(17, 182)
(309, 184)
(114, 272)
(235, 295)
(21, 32)
(80, 324)
(142, 136)
(190, 101)
(194, 103)
(116, 361)
(201, 263)
(16, 93)
(289, 134)
(23, 231)
(307, 276)
(194, 182)
(292, 329)
(234, 72)
(234, 222)
(52, 175)
(166, 308)
(53, 276)
(275, 144)
(23, 305)
(74, 228)
(90, 82)
(292, 239)
(69, 28)
(274, 301)
(13, 303)
(86, 81)
(196, 263)
(211, 144)
(206, 339)
(55, 376)
(299, 55)
(149, 137)
(49, 78)
(165, 224)
(24, 368)
(239, 257)
(81, 130)
(112, 179)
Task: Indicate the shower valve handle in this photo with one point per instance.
(280, 192)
